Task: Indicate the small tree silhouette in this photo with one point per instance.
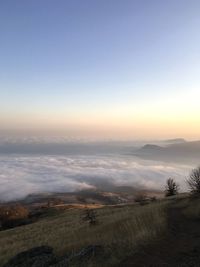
(90, 216)
(171, 188)
(194, 181)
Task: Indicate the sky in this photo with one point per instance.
(121, 69)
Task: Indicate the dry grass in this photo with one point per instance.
(119, 229)
(12, 213)
(192, 208)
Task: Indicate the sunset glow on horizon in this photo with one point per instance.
(101, 69)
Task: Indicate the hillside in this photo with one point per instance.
(180, 152)
(165, 231)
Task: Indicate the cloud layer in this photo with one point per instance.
(23, 175)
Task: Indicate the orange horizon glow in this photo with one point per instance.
(173, 116)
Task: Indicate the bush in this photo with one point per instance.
(141, 198)
(54, 201)
(90, 216)
(12, 215)
(194, 181)
(171, 188)
(153, 199)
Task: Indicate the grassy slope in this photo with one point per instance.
(120, 230)
(180, 245)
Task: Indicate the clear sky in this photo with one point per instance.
(101, 68)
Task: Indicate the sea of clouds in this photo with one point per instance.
(21, 175)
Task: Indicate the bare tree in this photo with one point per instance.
(171, 188)
(194, 181)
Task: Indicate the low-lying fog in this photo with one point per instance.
(35, 167)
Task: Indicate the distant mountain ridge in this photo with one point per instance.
(185, 151)
(175, 141)
(151, 146)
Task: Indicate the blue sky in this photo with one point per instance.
(115, 66)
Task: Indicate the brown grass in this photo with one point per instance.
(11, 214)
(119, 229)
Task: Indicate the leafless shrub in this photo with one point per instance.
(194, 181)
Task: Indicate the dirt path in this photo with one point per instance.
(180, 247)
